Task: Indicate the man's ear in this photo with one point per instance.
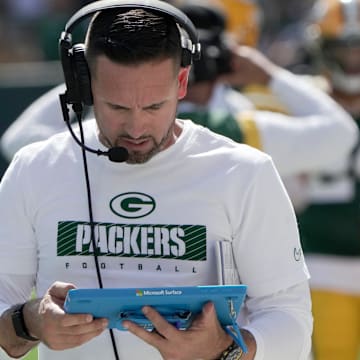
(183, 78)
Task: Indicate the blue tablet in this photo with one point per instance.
(178, 305)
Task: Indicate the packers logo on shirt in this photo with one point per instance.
(132, 205)
(143, 240)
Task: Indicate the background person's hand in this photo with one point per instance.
(249, 66)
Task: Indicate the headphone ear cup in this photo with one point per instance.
(186, 58)
(82, 74)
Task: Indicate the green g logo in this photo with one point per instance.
(132, 205)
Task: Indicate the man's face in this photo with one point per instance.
(135, 106)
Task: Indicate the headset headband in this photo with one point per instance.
(156, 5)
(75, 68)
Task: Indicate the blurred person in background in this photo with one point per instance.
(287, 118)
(330, 226)
(204, 91)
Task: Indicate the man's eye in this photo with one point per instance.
(155, 107)
(116, 107)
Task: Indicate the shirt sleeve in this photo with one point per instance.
(266, 242)
(269, 260)
(316, 135)
(17, 235)
(14, 289)
(282, 324)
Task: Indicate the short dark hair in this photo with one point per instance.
(133, 36)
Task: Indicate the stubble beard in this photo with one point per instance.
(136, 157)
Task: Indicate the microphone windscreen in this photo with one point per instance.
(118, 154)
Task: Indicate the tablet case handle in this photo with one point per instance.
(234, 330)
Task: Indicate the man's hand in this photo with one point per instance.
(205, 339)
(47, 320)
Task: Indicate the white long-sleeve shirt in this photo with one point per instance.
(204, 188)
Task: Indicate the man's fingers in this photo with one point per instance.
(64, 341)
(68, 320)
(59, 289)
(153, 338)
(163, 327)
(84, 328)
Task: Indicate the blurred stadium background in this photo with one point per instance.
(29, 32)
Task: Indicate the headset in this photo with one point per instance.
(75, 67)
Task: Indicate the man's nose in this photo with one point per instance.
(136, 124)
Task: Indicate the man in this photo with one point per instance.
(222, 189)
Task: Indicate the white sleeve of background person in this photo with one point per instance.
(318, 135)
(282, 318)
(39, 121)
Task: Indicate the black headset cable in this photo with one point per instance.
(92, 224)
